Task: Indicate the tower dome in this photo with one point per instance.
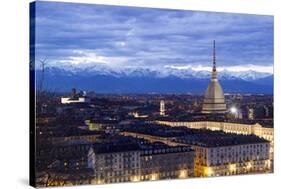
(214, 101)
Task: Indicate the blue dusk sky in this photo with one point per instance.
(70, 34)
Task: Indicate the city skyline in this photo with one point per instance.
(118, 94)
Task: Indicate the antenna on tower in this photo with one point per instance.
(214, 57)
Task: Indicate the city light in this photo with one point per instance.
(233, 110)
(268, 164)
(183, 173)
(208, 171)
(249, 165)
(154, 176)
(135, 178)
(232, 168)
(100, 181)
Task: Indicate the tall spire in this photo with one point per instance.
(214, 101)
(214, 57)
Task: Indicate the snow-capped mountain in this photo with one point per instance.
(143, 80)
(163, 73)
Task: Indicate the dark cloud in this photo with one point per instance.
(129, 36)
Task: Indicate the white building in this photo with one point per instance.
(76, 98)
(232, 160)
(69, 100)
(162, 107)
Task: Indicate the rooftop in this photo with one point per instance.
(64, 131)
(202, 137)
(264, 123)
(161, 148)
(116, 143)
(111, 147)
(125, 144)
(206, 138)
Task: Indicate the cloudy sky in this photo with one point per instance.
(69, 34)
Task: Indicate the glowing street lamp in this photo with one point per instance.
(233, 110)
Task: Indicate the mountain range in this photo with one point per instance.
(145, 80)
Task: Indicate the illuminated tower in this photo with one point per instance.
(214, 101)
(250, 113)
(162, 107)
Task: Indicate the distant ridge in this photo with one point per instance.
(147, 81)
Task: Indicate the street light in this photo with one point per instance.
(233, 110)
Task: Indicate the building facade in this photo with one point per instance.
(229, 127)
(166, 162)
(145, 162)
(232, 160)
(113, 165)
